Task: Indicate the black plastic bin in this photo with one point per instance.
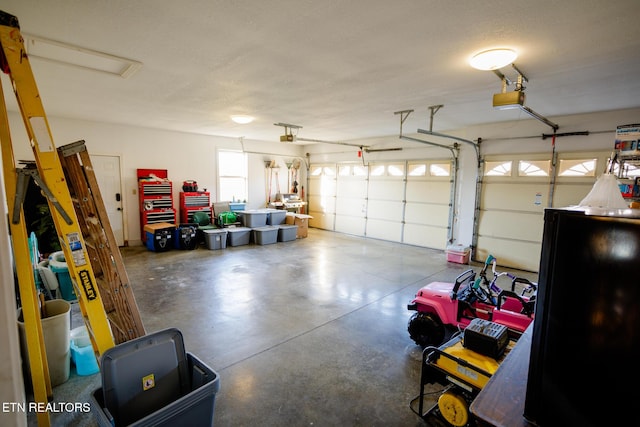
(186, 236)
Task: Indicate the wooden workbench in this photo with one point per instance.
(501, 402)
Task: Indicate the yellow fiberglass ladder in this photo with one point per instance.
(92, 256)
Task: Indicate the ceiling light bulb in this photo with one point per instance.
(243, 120)
(493, 59)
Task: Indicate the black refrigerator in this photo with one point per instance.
(584, 367)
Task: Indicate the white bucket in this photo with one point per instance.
(55, 331)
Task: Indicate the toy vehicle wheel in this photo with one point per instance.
(426, 329)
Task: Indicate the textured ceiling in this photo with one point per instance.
(340, 69)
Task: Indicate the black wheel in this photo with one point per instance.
(426, 329)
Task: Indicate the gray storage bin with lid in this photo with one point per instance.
(287, 232)
(153, 381)
(215, 238)
(238, 236)
(265, 235)
(254, 218)
(276, 216)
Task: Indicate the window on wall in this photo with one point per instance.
(232, 175)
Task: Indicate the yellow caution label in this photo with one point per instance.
(148, 382)
(87, 285)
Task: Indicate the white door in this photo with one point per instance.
(107, 171)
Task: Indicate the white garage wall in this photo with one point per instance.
(190, 156)
(185, 156)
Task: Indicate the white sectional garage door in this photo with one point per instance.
(406, 202)
(515, 192)
(577, 172)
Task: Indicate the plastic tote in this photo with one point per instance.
(215, 238)
(153, 381)
(58, 264)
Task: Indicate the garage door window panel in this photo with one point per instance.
(577, 167)
(498, 168)
(534, 168)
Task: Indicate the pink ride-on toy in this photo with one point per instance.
(443, 308)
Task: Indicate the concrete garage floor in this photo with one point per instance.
(311, 332)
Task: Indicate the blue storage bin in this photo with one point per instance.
(58, 265)
(159, 236)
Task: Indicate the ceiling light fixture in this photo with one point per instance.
(493, 59)
(76, 56)
(241, 119)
